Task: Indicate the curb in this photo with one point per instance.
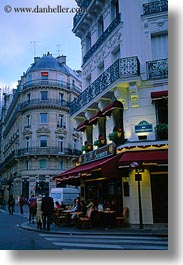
(145, 232)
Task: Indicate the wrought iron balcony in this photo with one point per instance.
(157, 69)
(155, 7)
(122, 68)
(47, 151)
(103, 37)
(50, 102)
(51, 83)
(83, 5)
(35, 151)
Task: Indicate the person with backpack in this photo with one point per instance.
(32, 208)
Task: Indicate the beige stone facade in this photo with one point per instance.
(38, 141)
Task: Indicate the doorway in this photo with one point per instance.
(159, 191)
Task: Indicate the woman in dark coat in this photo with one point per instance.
(47, 208)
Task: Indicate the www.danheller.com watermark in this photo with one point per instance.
(48, 9)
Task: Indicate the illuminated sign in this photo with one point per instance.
(103, 152)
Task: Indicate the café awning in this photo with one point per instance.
(108, 168)
(154, 157)
(159, 95)
(116, 104)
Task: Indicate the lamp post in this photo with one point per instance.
(138, 178)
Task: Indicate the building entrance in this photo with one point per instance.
(159, 190)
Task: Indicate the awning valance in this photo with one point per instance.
(144, 157)
(113, 105)
(159, 94)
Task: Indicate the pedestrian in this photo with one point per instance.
(11, 204)
(39, 216)
(32, 208)
(47, 209)
(21, 203)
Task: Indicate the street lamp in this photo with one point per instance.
(138, 178)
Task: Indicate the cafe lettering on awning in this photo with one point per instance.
(97, 154)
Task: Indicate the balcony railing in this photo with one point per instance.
(103, 37)
(155, 7)
(39, 151)
(40, 102)
(122, 68)
(51, 83)
(157, 69)
(83, 5)
(47, 151)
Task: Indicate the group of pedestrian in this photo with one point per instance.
(40, 208)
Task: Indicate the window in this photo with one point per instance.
(60, 122)
(44, 118)
(43, 164)
(61, 97)
(114, 9)
(159, 46)
(26, 165)
(44, 95)
(61, 145)
(44, 75)
(61, 165)
(88, 41)
(43, 140)
(27, 121)
(27, 143)
(100, 26)
(28, 97)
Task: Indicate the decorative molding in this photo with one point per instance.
(43, 129)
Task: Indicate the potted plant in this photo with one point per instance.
(162, 131)
(119, 132)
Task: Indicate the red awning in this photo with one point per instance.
(95, 117)
(107, 166)
(159, 94)
(159, 157)
(113, 105)
(83, 125)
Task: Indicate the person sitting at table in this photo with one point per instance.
(58, 205)
(76, 208)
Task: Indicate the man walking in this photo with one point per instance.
(47, 208)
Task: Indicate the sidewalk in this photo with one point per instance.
(70, 230)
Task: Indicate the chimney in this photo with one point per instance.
(61, 59)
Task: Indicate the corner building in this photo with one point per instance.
(123, 109)
(38, 141)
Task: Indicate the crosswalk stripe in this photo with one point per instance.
(107, 242)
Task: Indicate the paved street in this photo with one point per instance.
(13, 237)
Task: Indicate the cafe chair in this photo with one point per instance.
(123, 219)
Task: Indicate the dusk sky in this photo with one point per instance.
(23, 35)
